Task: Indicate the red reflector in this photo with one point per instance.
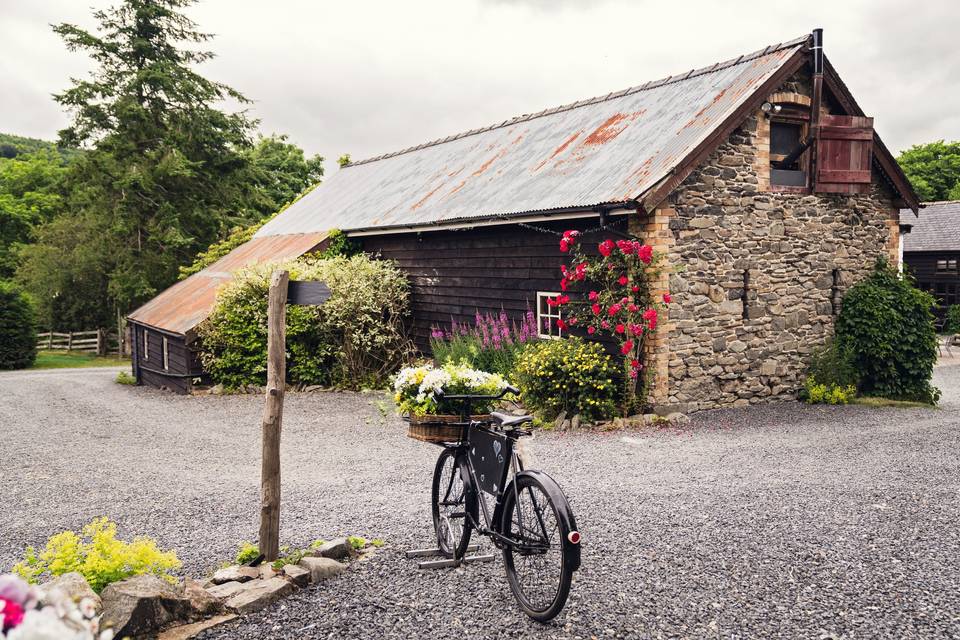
(574, 537)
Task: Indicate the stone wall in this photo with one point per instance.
(761, 276)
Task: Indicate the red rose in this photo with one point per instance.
(591, 330)
(561, 324)
(572, 321)
(551, 302)
(12, 614)
(604, 324)
(606, 247)
(623, 281)
(632, 308)
(645, 253)
(613, 310)
(564, 245)
(667, 298)
(564, 299)
(593, 295)
(636, 329)
(595, 308)
(635, 364)
(620, 328)
(650, 315)
(627, 347)
(563, 284)
(635, 288)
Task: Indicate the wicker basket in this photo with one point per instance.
(440, 428)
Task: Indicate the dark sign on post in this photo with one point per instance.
(283, 291)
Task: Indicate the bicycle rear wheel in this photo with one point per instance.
(538, 570)
(451, 501)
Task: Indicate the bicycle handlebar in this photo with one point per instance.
(508, 389)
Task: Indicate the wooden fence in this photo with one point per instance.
(99, 341)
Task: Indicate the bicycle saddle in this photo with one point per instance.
(506, 420)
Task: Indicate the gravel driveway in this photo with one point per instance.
(774, 521)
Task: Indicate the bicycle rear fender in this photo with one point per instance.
(571, 549)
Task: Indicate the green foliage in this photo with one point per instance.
(246, 552)
(217, 250)
(357, 542)
(953, 319)
(354, 340)
(289, 556)
(125, 378)
(569, 375)
(378, 542)
(12, 146)
(339, 245)
(18, 329)
(98, 556)
(933, 169)
(834, 365)
(491, 344)
(822, 393)
(166, 173)
(29, 197)
(280, 173)
(420, 391)
(886, 326)
(343, 160)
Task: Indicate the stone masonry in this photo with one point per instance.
(758, 275)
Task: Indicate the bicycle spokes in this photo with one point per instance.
(537, 556)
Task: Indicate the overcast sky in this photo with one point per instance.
(370, 77)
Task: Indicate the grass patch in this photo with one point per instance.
(886, 402)
(75, 359)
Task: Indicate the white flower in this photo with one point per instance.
(45, 624)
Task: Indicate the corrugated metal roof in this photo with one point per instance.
(180, 308)
(603, 150)
(937, 228)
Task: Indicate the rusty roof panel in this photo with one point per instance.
(625, 143)
(181, 307)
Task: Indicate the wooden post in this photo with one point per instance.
(70, 341)
(273, 416)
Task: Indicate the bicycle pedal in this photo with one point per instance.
(447, 563)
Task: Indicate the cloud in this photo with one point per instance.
(373, 77)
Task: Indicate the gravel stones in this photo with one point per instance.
(774, 521)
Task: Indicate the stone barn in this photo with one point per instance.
(760, 178)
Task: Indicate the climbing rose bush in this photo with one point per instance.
(610, 295)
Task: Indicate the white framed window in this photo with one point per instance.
(166, 354)
(548, 315)
(146, 344)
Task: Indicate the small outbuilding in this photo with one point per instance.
(760, 176)
(931, 251)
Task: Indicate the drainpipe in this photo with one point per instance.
(817, 49)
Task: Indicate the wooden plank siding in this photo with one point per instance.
(945, 286)
(455, 274)
(182, 360)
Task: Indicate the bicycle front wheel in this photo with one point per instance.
(537, 567)
(452, 501)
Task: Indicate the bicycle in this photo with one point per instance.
(532, 522)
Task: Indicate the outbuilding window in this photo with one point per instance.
(166, 355)
(548, 315)
(146, 344)
(787, 161)
(947, 265)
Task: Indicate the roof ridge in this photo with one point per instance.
(927, 203)
(653, 84)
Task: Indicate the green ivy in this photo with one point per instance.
(339, 245)
(886, 326)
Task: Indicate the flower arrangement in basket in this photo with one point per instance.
(419, 394)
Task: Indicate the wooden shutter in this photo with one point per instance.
(844, 154)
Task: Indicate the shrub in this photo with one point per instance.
(246, 552)
(953, 319)
(416, 389)
(828, 393)
(834, 366)
(98, 556)
(125, 378)
(491, 344)
(569, 375)
(355, 339)
(18, 329)
(886, 326)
